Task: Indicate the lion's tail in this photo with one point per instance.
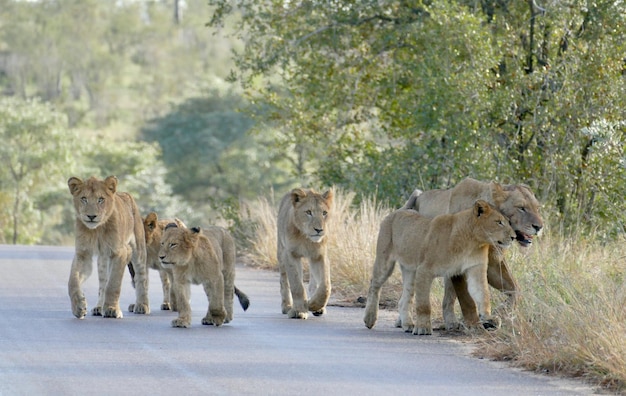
(243, 299)
(131, 271)
(412, 202)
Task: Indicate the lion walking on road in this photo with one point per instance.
(109, 225)
(302, 230)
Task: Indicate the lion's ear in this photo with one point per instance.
(328, 197)
(74, 184)
(180, 223)
(111, 183)
(191, 237)
(481, 207)
(297, 194)
(497, 192)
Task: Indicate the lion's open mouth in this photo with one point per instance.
(523, 239)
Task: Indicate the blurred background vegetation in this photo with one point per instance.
(199, 107)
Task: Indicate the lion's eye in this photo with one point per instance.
(500, 223)
(173, 245)
(309, 213)
(521, 209)
(324, 213)
(100, 200)
(83, 200)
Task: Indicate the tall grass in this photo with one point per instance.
(572, 314)
(571, 317)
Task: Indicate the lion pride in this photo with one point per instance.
(516, 201)
(301, 232)
(108, 224)
(426, 248)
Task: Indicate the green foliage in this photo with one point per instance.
(208, 152)
(36, 148)
(383, 97)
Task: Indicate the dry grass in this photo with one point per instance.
(571, 318)
(572, 315)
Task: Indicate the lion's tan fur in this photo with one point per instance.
(201, 256)
(443, 246)
(153, 229)
(302, 230)
(516, 201)
(108, 224)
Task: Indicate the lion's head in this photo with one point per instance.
(492, 225)
(178, 245)
(151, 229)
(93, 199)
(518, 203)
(310, 212)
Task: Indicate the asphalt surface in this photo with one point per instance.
(45, 350)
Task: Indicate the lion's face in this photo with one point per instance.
(93, 199)
(522, 209)
(493, 224)
(311, 211)
(177, 245)
(152, 230)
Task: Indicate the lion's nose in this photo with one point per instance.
(161, 257)
(537, 227)
(318, 230)
(91, 217)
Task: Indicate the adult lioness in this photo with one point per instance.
(516, 201)
(108, 224)
(204, 257)
(301, 227)
(426, 247)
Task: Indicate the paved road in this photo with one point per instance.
(44, 350)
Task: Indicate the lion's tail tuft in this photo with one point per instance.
(243, 299)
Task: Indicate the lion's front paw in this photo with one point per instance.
(112, 312)
(423, 331)
(211, 321)
(370, 319)
(178, 322)
(294, 314)
(286, 308)
(319, 312)
(96, 311)
(166, 306)
(491, 323)
(398, 323)
(453, 326)
(141, 309)
(79, 308)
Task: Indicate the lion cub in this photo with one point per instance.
(204, 257)
(153, 230)
(443, 246)
(301, 226)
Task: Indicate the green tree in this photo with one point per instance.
(36, 148)
(389, 96)
(208, 152)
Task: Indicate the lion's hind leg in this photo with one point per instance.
(167, 287)
(383, 268)
(216, 314)
(408, 290)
